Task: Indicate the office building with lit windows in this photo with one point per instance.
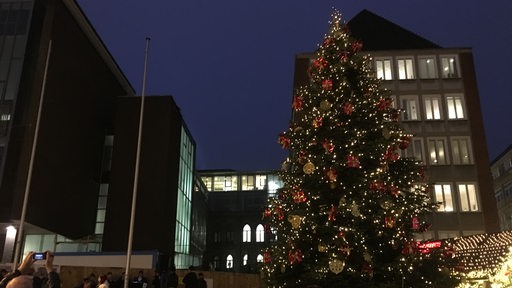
(436, 90)
(501, 169)
(235, 233)
(69, 128)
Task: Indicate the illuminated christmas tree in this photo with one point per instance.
(350, 205)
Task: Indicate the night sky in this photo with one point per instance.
(229, 63)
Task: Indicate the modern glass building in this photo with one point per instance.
(14, 28)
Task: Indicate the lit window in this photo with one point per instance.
(229, 183)
(5, 117)
(437, 151)
(394, 105)
(468, 197)
(247, 182)
(414, 150)
(260, 233)
(383, 69)
(218, 183)
(229, 261)
(443, 196)
(246, 235)
(259, 259)
(449, 67)
(427, 67)
(432, 107)
(261, 182)
(208, 182)
(461, 151)
(245, 259)
(225, 183)
(455, 106)
(274, 234)
(409, 106)
(405, 68)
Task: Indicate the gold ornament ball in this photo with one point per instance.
(336, 266)
(325, 105)
(295, 220)
(386, 204)
(308, 168)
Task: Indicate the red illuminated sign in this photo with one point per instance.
(426, 246)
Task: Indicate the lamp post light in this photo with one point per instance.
(10, 238)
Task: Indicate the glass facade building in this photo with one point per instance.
(14, 23)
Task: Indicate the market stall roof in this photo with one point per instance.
(483, 255)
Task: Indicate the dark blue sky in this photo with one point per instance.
(229, 63)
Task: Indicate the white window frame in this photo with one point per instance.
(405, 68)
(414, 150)
(261, 182)
(437, 151)
(260, 233)
(410, 112)
(259, 258)
(5, 117)
(393, 105)
(247, 182)
(461, 150)
(443, 193)
(449, 66)
(468, 197)
(427, 67)
(229, 261)
(246, 233)
(384, 68)
(433, 107)
(455, 106)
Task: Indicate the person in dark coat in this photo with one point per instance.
(172, 280)
(201, 283)
(190, 279)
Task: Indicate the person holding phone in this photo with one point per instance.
(23, 276)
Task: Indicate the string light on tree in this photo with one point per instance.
(344, 216)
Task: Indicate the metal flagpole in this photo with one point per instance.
(19, 234)
(136, 178)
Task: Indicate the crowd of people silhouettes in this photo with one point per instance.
(25, 276)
